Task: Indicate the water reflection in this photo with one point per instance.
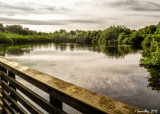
(154, 78)
(112, 50)
(111, 70)
(118, 51)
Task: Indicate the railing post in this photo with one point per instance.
(55, 102)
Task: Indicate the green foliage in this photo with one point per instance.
(121, 37)
(153, 59)
(147, 41)
(5, 39)
(148, 37)
(18, 29)
(77, 36)
(1, 28)
(112, 33)
(136, 38)
(19, 35)
(148, 29)
(158, 29)
(72, 32)
(96, 38)
(16, 38)
(125, 40)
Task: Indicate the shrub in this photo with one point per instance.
(5, 39)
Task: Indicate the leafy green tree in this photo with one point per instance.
(158, 29)
(96, 38)
(121, 37)
(62, 31)
(1, 28)
(148, 29)
(147, 41)
(72, 33)
(153, 59)
(136, 38)
(5, 39)
(111, 34)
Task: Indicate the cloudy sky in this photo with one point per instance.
(51, 15)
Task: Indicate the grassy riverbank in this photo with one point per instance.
(147, 37)
(10, 38)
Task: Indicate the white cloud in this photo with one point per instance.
(80, 14)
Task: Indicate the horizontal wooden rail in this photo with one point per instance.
(33, 96)
(12, 101)
(59, 91)
(7, 104)
(21, 99)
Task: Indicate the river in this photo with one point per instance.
(113, 71)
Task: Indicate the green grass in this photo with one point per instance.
(22, 39)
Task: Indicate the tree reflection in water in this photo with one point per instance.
(154, 78)
(111, 50)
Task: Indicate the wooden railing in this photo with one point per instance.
(58, 90)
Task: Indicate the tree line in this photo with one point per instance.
(113, 34)
(147, 37)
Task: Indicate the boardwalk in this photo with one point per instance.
(58, 90)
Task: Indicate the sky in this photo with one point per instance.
(51, 15)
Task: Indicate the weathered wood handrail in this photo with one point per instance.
(59, 91)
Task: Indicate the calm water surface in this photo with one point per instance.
(113, 71)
